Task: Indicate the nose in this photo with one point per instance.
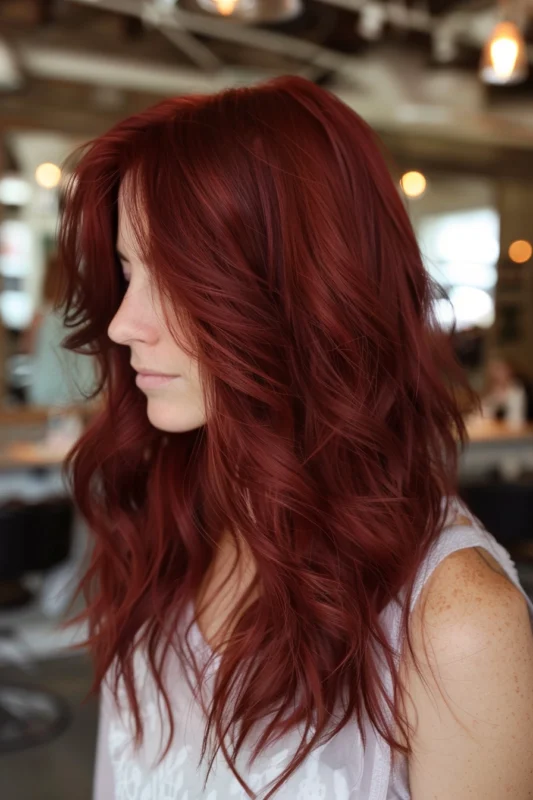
(133, 322)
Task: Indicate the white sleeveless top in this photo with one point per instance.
(338, 770)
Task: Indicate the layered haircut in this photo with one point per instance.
(269, 219)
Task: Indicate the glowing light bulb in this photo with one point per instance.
(520, 251)
(226, 7)
(413, 184)
(504, 58)
(248, 11)
(48, 175)
(503, 53)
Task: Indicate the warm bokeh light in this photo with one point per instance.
(503, 55)
(226, 7)
(48, 175)
(520, 251)
(504, 58)
(413, 184)
(250, 11)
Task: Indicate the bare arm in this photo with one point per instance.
(473, 721)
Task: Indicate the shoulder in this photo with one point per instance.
(468, 611)
(470, 704)
(468, 592)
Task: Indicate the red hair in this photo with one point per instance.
(273, 222)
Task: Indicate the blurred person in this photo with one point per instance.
(286, 598)
(505, 397)
(59, 377)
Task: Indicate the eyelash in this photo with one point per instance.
(124, 282)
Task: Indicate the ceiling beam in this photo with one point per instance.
(173, 18)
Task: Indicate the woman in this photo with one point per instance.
(284, 600)
(505, 397)
(59, 378)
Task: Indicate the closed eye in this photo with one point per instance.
(124, 259)
(125, 266)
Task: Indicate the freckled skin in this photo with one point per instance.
(472, 730)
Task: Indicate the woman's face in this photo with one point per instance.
(165, 373)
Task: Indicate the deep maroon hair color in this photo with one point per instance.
(269, 216)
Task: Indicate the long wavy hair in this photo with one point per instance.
(269, 216)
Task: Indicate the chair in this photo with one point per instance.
(33, 537)
(505, 509)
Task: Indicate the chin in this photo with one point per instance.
(172, 418)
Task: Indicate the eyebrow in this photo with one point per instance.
(122, 257)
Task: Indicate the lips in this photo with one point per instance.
(148, 379)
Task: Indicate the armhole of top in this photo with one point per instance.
(465, 531)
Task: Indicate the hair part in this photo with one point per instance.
(269, 218)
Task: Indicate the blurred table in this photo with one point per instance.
(499, 446)
(27, 440)
(31, 455)
(481, 430)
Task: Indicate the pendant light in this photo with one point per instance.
(252, 11)
(504, 58)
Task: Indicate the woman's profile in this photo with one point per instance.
(285, 598)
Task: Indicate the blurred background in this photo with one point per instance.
(448, 86)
